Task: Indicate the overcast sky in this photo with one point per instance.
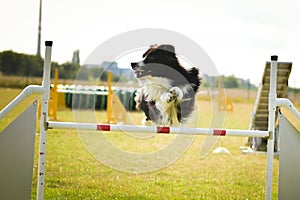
(239, 36)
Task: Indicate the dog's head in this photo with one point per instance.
(157, 61)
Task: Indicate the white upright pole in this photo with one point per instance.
(44, 119)
(271, 126)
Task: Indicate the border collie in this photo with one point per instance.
(167, 90)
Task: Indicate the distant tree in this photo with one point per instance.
(82, 73)
(9, 63)
(68, 70)
(230, 81)
(96, 72)
(34, 65)
(12, 63)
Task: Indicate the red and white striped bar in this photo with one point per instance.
(154, 129)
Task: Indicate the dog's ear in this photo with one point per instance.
(167, 47)
(152, 47)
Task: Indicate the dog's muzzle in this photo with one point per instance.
(137, 67)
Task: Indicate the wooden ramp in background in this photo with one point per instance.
(259, 118)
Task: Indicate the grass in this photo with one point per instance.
(10, 94)
(73, 173)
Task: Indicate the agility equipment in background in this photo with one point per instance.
(289, 162)
(224, 103)
(116, 101)
(54, 100)
(287, 183)
(88, 97)
(16, 156)
(259, 118)
(116, 113)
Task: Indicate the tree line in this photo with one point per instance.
(19, 64)
(228, 82)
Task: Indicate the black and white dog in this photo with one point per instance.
(167, 93)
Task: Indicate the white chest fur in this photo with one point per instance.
(154, 87)
(158, 89)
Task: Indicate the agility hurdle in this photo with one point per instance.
(154, 129)
(45, 124)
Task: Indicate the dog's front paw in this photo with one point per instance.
(175, 93)
(167, 97)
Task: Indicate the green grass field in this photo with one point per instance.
(73, 173)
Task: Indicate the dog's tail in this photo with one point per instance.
(194, 78)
